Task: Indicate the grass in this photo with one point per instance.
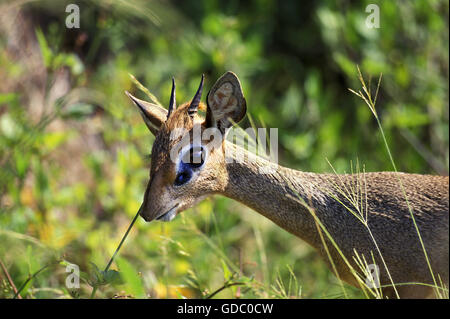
(239, 284)
(354, 197)
(359, 209)
(367, 97)
(105, 272)
(62, 204)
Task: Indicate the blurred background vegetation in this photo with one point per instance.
(73, 148)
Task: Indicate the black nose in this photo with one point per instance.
(141, 213)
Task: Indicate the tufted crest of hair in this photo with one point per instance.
(179, 121)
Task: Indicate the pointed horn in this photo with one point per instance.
(196, 100)
(173, 102)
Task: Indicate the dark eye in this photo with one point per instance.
(190, 161)
(183, 177)
(195, 157)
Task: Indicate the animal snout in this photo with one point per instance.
(143, 213)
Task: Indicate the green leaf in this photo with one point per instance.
(47, 54)
(78, 111)
(22, 162)
(131, 278)
(6, 98)
(227, 274)
(52, 140)
(113, 277)
(96, 277)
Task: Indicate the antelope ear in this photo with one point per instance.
(226, 102)
(154, 115)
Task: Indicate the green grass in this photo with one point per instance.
(74, 168)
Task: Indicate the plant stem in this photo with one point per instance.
(31, 277)
(94, 290)
(11, 282)
(227, 285)
(409, 207)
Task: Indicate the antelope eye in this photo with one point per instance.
(191, 160)
(195, 157)
(183, 177)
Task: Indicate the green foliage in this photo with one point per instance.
(74, 165)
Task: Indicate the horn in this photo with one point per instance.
(173, 102)
(193, 107)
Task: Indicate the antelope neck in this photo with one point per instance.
(278, 193)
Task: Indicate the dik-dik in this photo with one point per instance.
(181, 176)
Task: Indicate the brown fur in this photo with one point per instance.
(276, 196)
(281, 196)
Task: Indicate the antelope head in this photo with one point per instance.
(187, 159)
